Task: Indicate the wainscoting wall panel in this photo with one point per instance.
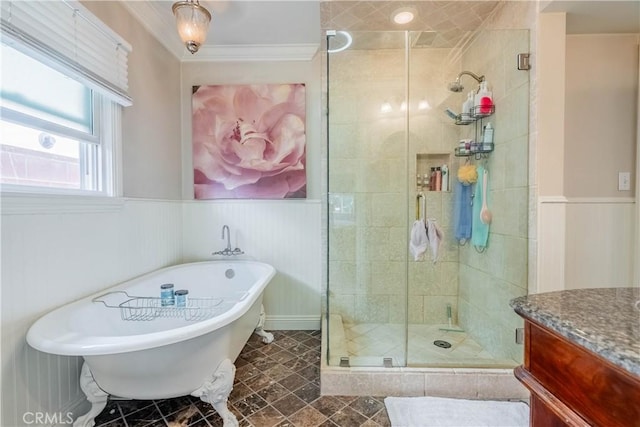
(551, 243)
(283, 233)
(52, 256)
(600, 243)
(585, 242)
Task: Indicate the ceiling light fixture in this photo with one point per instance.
(193, 23)
(404, 15)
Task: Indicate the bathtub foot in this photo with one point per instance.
(216, 390)
(95, 395)
(267, 337)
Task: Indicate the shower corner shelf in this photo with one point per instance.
(478, 113)
(475, 150)
(464, 119)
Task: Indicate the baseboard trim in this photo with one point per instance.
(292, 323)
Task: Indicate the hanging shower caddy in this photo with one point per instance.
(149, 308)
(476, 149)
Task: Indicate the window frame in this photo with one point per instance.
(66, 36)
(104, 141)
(52, 201)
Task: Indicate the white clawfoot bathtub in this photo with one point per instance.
(134, 347)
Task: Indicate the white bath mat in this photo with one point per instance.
(445, 412)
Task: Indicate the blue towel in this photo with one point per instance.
(462, 212)
(480, 231)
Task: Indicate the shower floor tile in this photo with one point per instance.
(276, 385)
(368, 343)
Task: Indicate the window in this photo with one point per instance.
(50, 129)
(63, 82)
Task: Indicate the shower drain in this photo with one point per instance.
(442, 344)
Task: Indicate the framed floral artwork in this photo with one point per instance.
(249, 141)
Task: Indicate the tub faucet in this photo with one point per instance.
(226, 227)
(228, 251)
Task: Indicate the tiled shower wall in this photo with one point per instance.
(373, 189)
(432, 139)
(490, 279)
(368, 209)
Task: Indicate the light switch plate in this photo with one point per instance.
(624, 181)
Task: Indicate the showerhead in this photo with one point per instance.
(457, 86)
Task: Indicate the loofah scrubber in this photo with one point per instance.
(467, 174)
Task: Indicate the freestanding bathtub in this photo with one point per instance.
(134, 347)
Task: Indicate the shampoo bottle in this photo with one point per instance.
(445, 177)
(487, 138)
(432, 180)
(467, 108)
(483, 101)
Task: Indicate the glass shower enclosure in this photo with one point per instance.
(387, 133)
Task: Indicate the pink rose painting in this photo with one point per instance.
(249, 141)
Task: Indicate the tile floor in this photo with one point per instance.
(276, 385)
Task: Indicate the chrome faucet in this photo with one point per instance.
(226, 227)
(228, 251)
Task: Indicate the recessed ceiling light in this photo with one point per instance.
(403, 15)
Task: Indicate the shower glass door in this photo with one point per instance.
(367, 89)
(387, 92)
(458, 301)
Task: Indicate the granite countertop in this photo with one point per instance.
(604, 320)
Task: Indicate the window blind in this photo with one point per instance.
(30, 87)
(67, 36)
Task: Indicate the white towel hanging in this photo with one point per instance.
(418, 241)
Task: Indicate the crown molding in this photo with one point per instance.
(282, 52)
(155, 21)
(152, 18)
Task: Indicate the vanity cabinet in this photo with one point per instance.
(572, 386)
(582, 356)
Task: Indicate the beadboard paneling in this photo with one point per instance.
(551, 243)
(50, 259)
(283, 233)
(586, 243)
(600, 243)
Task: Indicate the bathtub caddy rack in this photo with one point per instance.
(139, 308)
